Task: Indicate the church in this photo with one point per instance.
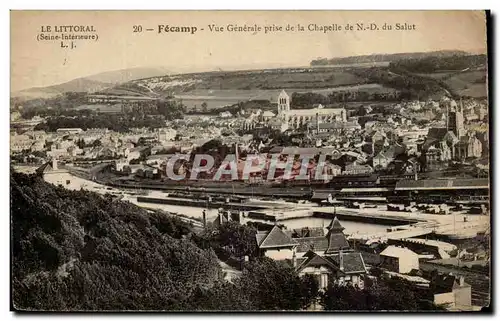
(287, 118)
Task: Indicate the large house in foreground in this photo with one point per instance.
(328, 258)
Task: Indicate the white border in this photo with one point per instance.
(187, 4)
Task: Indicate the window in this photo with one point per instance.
(324, 280)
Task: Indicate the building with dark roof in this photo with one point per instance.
(276, 244)
(329, 258)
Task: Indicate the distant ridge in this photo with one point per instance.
(93, 83)
(386, 57)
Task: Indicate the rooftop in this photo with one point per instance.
(398, 252)
(274, 238)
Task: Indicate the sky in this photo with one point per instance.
(39, 63)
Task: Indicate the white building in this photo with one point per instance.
(166, 134)
(399, 259)
(18, 143)
(295, 118)
(69, 130)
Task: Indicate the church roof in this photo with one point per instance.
(274, 238)
(438, 134)
(314, 111)
(268, 113)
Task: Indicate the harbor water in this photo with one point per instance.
(71, 182)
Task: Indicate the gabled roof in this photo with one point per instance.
(337, 242)
(437, 134)
(316, 243)
(315, 260)
(268, 113)
(352, 262)
(44, 168)
(336, 238)
(275, 238)
(398, 252)
(335, 225)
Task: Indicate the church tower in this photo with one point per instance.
(455, 119)
(283, 102)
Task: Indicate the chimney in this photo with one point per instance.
(317, 123)
(461, 281)
(294, 259)
(341, 259)
(54, 164)
(204, 219)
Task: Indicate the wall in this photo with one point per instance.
(322, 275)
(406, 264)
(279, 254)
(390, 263)
(463, 296)
(444, 298)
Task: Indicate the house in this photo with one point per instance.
(276, 244)
(120, 164)
(67, 131)
(399, 259)
(469, 147)
(355, 169)
(38, 146)
(451, 290)
(158, 159)
(166, 134)
(329, 258)
(135, 153)
(18, 143)
(141, 170)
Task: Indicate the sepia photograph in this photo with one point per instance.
(250, 161)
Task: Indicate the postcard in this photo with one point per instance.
(250, 161)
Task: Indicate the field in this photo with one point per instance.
(226, 88)
(304, 78)
(101, 108)
(467, 83)
(219, 98)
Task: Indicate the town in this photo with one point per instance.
(409, 168)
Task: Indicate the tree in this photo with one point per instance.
(240, 239)
(204, 107)
(386, 294)
(275, 286)
(78, 250)
(96, 143)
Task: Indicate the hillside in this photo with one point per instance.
(75, 85)
(373, 58)
(78, 250)
(92, 83)
(124, 75)
(251, 80)
(82, 251)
